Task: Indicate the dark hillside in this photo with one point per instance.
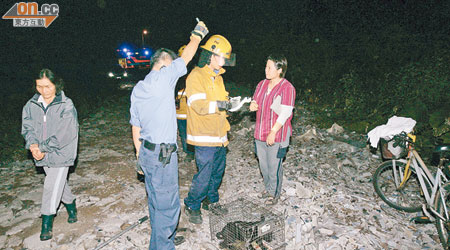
(378, 58)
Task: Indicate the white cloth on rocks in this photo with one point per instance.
(394, 126)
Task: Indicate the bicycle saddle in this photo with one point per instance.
(441, 151)
(442, 148)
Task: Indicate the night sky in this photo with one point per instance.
(323, 40)
(83, 39)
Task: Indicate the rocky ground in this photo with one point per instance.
(328, 200)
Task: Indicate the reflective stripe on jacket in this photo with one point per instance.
(182, 109)
(206, 125)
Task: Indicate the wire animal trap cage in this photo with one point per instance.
(242, 224)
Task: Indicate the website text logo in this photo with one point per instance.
(29, 14)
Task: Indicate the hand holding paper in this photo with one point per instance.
(236, 102)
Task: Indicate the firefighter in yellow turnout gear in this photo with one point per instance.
(181, 103)
(207, 124)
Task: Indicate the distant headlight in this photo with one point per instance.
(125, 74)
(110, 74)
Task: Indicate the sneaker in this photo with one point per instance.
(195, 216)
(178, 240)
(271, 201)
(264, 195)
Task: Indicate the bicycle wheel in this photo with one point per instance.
(409, 198)
(443, 227)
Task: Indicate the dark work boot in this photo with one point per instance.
(189, 158)
(47, 227)
(72, 212)
(205, 204)
(195, 216)
(178, 240)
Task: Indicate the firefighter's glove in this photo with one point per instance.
(200, 31)
(223, 105)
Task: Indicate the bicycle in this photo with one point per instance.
(409, 185)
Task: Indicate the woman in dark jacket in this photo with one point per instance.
(50, 129)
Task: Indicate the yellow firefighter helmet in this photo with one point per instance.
(219, 45)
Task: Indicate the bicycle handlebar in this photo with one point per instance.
(402, 139)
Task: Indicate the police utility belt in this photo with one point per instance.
(165, 152)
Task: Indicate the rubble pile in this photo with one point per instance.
(328, 201)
